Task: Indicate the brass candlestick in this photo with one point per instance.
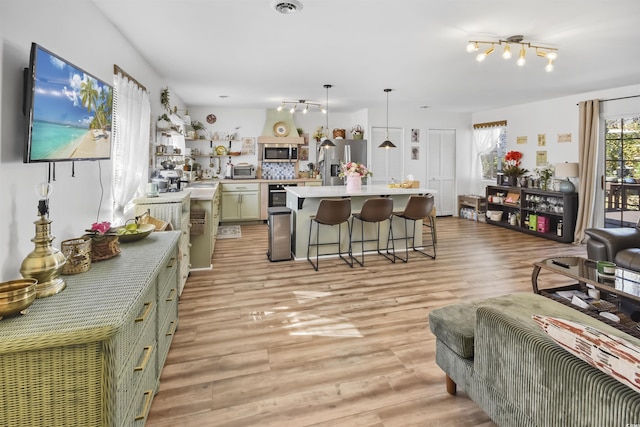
(45, 262)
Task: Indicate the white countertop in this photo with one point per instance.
(341, 191)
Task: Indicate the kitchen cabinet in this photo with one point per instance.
(548, 214)
(174, 208)
(240, 202)
(92, 355)
(204, 229)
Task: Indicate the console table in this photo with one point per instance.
(92, 355)
(538, 212)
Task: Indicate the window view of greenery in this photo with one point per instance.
(622, 171)
(492, 162)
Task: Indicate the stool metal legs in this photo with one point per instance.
(318, 244)
(412, 237)
(390, 256)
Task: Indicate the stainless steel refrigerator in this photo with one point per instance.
(330, 160)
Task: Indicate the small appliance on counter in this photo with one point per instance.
(171, 177)
(243, 171)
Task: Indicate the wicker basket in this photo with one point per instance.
(78, 255)
(146, 218)
(198, 219)
(104, 246)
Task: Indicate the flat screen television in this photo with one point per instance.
(68, 111)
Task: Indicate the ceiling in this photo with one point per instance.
(244, 54)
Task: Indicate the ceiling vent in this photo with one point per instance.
(286, 7)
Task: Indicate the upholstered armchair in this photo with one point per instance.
(619, 245)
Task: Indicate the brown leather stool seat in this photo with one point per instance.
(418, 208)
(331, 212)
(375, 210)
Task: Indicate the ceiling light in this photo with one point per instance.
(550, 53)
(521, 61)
(507, 52)
(327, 142)
(549, 67)
(286, 7)
(386, 143)
(304, 104)
(481, 57)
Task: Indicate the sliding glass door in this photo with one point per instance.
(622, 172)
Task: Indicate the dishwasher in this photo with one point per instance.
(279, 224)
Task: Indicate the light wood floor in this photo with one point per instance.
(278, 344)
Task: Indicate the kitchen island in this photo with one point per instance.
(304, 202)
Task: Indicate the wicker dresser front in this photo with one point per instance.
(92, 354)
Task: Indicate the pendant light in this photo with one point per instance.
(387, 143)
(327, 142)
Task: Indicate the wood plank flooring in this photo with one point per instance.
(278, 344)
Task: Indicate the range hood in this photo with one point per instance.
(269, 133)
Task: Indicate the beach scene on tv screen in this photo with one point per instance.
(71, 112)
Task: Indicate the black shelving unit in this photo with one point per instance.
(531, 205)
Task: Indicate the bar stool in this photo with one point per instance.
(373, 211)
(418, 208)
(330, 212)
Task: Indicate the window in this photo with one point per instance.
(622, 172)
(494, 141)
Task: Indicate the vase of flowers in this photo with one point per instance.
(353, 172)
(511, 167)
(544, 175)
(319, 133)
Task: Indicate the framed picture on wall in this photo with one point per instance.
(304, 152)
(415, 135)
(415, 153)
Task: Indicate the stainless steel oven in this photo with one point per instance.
(278, 195)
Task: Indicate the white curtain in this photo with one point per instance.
(484, 141)
(132, 118)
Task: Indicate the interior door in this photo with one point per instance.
(386, 163)
(441, 169)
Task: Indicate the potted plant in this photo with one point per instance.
(319, 133)
(163, 122)
(544, 175)
(164, 99)
(512, 168)
(358, 132)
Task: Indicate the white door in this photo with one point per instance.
(386, 163)
(441, 169)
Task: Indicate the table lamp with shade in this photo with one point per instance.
(568, 171)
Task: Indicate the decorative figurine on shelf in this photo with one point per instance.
(511, 167)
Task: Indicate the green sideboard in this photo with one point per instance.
(92, 355)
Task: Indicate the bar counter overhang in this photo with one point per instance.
(304, 202)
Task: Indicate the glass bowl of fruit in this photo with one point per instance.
(133, 231)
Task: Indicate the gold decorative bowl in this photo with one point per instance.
(143, 231)
(16, 296)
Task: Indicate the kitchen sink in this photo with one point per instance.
(204, 184)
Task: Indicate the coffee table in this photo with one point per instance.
(622, 290)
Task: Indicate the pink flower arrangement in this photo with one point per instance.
(101, 227)
(354, 169)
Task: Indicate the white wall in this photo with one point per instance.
(76, 31)
(553, 117)
(251, 123)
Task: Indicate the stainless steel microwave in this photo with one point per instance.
(279, 153)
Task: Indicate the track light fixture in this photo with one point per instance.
(304, 105)
(549, 53)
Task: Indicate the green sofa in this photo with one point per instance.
(518, 375)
